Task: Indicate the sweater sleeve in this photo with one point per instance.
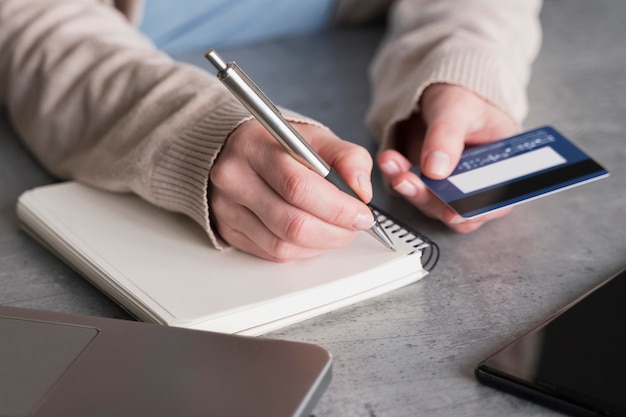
(95, 101)
(486, 46)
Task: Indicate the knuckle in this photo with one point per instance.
(230, 235)
(339, 212)
(218, 175)
(361, 152)
(224, 176)
(466, 227)
(295, 226)
(355, 155)
(295, 189)
(281, 250)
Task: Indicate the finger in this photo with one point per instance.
(309, 192)
(352, 162)
(461, 225)
(299, 227)
(415, 191)
(396, 169)
(392, 163)
(281, 218)
(244, 231)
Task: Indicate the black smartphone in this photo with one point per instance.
(575, 361)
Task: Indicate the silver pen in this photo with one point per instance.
(244, 89)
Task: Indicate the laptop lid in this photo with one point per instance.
(54, 364)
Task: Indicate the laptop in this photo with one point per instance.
(55, 364)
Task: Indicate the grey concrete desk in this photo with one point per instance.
(412, 352)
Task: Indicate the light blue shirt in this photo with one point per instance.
(192, 25)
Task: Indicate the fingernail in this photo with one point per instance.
(406, 189)
(437, 163)
(390, 168)
(365, 184)
(456, 220)
(363, 221)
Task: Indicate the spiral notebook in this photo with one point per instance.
(160, 266)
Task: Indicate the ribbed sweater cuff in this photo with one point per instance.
(181, 177)
(478, 71)
(481, 73)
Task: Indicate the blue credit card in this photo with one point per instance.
(514, 170)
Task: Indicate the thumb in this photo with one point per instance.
(443, 144)
(445, 113)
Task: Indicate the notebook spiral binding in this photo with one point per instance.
(429, 249)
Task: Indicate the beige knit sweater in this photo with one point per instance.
(95, 101)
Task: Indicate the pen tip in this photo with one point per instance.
(379, 233)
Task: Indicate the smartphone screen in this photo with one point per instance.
(575, 361)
